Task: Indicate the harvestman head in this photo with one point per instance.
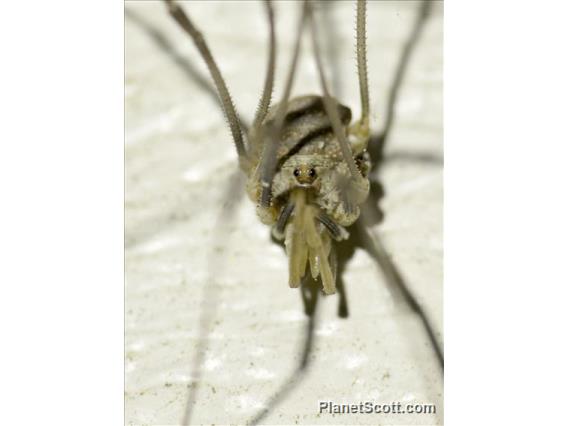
(306, 166)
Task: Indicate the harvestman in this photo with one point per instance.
(307, 167)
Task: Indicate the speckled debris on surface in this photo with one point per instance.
(180, 166)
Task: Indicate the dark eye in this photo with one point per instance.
(296, 172)
(311, 173)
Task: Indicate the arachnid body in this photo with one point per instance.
(306, 167)
(308, 208)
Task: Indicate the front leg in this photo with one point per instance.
(336, 231)
(283, 217)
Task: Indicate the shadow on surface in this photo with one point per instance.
(183, 63)
(377, 143)
(233, 195)
(310, 293)
(371, 214)
(331, 43)
(426, 158)
(140, 233)
(372, 243)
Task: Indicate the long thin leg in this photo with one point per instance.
(264, 102)
(355, 189)
(336, 231)
(280, 227)
(164, 44)
(362, 66)
(229, 109)
(331, 107)
(268, 164)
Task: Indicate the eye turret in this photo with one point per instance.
(305, 175)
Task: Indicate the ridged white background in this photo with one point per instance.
(179, 163)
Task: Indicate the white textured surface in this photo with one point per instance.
(179, 160)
